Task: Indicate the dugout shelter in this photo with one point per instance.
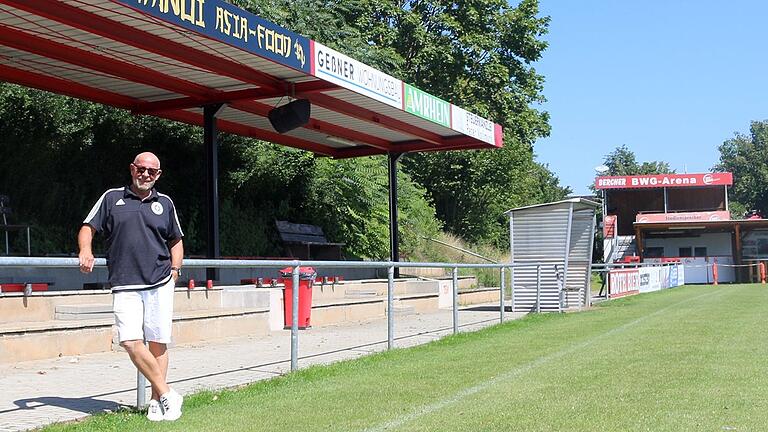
(553, 243)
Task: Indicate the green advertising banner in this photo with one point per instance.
(427, 106)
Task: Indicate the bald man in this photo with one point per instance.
(144, 253)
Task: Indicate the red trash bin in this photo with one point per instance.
(306, 280)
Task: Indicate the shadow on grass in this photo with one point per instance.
(85, 405)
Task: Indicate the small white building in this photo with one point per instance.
(553, 242)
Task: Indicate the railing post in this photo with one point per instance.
(455, 300)
(295, 319)
(560, 287)
(501, 294)
(512, 288)
(390, 304)
(538, 288)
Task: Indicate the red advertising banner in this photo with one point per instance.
(609, 226)
(663, 180)
(684, 217)
(623, 282)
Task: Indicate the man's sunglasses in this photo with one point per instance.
(151, 171)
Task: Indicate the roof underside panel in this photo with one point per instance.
(134, 55)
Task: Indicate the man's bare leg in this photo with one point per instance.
(160, 353)
(147, 364)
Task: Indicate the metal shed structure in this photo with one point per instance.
(554, 242)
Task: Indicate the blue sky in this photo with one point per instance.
(670, 79)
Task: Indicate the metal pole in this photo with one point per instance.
(455, 300)
(501, 295)
(561, 291)
(512, 287)
(566, 257)
(29, 244)
(588, 287)
(394, 240)
(295, 320)
(390, 304)
(7, 249)
(538, 288)
(212, 184)
(141, 390)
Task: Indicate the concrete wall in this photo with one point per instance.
(29, 330)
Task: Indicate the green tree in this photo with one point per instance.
(622, 162)
(746, 156)
(476, 54)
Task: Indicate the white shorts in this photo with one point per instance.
(145, 315)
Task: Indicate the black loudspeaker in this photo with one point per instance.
(290, 116)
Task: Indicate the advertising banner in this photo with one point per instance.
(351, 74)
(648, 279)
(427, 106)
(623, 282)
(663, 180)
(684, 217)
(473, 125)
(232, 25)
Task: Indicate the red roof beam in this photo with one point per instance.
(76, 56)
(65, 87)
(248, 131)
(194, 102)
(412, 147)
(76, 90)
(307, 87)
(93, 23)
(236, 95)
(318, 125)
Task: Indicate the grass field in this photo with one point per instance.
(686, 359)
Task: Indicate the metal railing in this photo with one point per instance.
(34, 262)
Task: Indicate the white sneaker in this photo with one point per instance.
(154, 413)
(171, 405)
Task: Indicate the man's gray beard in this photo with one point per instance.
(143, 187)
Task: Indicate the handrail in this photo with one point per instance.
(231, 263)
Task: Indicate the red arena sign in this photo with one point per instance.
(663, 180)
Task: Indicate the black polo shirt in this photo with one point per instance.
(137, 234)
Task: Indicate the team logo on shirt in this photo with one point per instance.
(157, 208)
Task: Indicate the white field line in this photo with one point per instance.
(520, 370)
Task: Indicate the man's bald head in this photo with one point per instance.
(145, 170)
(147, 159)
